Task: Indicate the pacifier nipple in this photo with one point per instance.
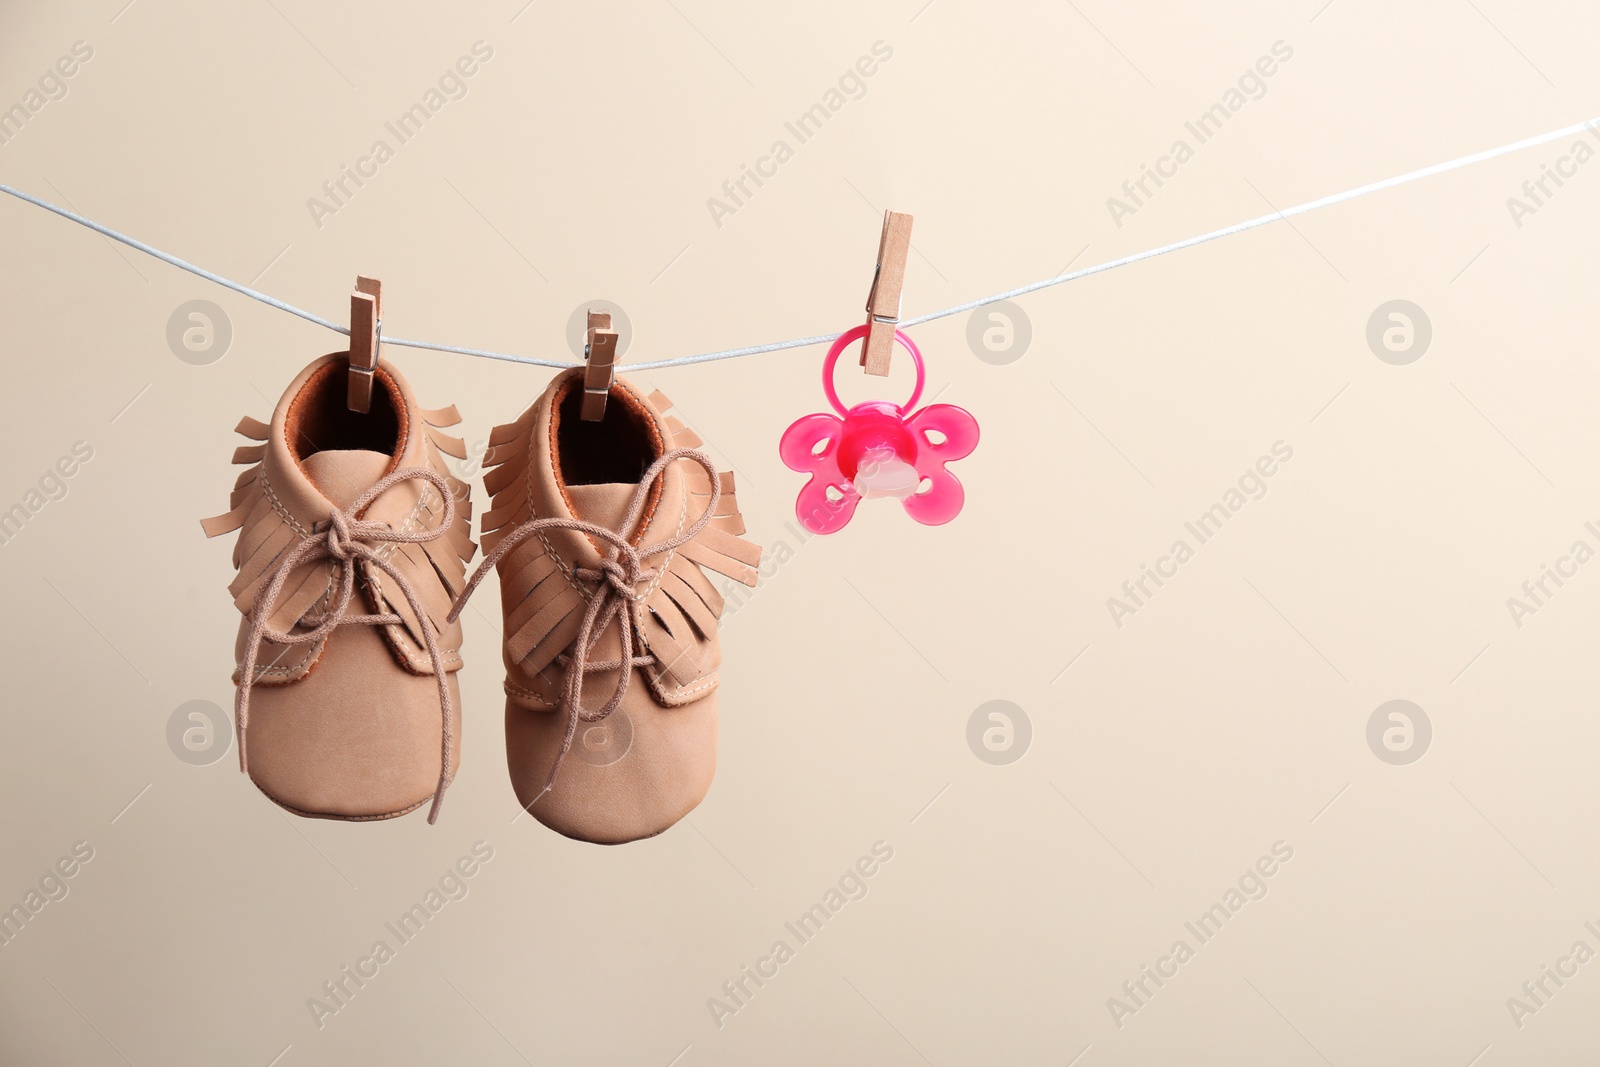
(883, 473)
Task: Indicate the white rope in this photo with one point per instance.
(805, 342)
(1286, 213)
(256, 294)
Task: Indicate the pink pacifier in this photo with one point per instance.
(876, 449)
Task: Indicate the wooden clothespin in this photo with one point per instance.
(600, 353)
(366, 311)
(883, 301)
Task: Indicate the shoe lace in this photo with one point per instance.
(349, 538)
(610, 587)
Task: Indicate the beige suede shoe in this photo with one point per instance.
(599, 531)
(352, 544)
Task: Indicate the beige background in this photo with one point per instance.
(1229, 714)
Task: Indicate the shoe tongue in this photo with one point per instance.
(604, 504)
(342, 476)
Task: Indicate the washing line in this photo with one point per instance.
(1588, 126)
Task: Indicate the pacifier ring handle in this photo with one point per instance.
(849, 337)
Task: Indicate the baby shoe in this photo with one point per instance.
(599, 531)
(353, 541)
